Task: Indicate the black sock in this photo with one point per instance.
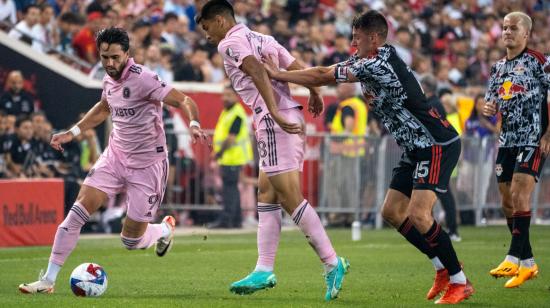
(414, 237)
(439, 240)
(449, 206)
(520, 236)
(527, 252)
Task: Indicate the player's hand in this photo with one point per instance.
(490, 109)
(197, 134)
(291, 128)
(61, 138)
(315, 103)
(545, 143)
(271, 68)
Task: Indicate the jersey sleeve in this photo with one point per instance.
(359, 68)
(153, 86)
(285, 58)
(234, 52)
(491, 94)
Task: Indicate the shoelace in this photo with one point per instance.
(41, 275)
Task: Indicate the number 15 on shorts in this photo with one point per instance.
(422, 169)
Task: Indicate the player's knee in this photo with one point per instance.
(130, 243)
(520, 199)
(418, 217)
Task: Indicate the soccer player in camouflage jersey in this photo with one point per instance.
(518, 89)
(431, 145)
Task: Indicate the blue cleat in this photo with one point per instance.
(255, 281)
(335, 278)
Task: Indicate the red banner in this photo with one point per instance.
(31, 211)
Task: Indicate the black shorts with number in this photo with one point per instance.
(428, 168)
(527, 159)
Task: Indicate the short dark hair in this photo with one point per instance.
(213, 8)
(30, 6)
(371, 21)
(113, 36)
(20, 119)
(169, 16)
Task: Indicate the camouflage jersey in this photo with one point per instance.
(398, 99)
(519, 87)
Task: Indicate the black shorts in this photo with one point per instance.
(428, 168)
(525, 159)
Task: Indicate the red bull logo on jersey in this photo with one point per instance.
(509, 89)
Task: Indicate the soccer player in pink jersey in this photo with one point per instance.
(279, 124)
(134, 162)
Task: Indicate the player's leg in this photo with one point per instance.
(432, 174)
(88, 201)
(520, 247)
(145, 190)
(394, 211)
(288, 188)
(506, 165)
(269, 231)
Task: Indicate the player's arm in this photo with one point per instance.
(95, 116)
(490, 107)
(315, 102)
(253, 68)
(312, 77)
(188, 106)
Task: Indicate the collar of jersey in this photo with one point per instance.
(235, 28)
(519, 55)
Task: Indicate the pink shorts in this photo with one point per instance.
(280, 151)
(144, 188)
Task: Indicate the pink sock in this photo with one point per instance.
(306, 218)
(67, 233)
(150, 237)
(269, 231)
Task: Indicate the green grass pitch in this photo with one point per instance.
(385, 272)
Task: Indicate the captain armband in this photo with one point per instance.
(341, 73)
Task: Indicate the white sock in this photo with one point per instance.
(512, 259)
(263, 268)
(330, 266)
(51, 272)
(437, 263)
(459, 278)
(527, 262)
(166, 230)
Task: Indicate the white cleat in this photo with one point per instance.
(40, 286)
(164, 244)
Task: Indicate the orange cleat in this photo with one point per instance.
(505, 269)
(524, 274)
(441, 281)
(456, 293)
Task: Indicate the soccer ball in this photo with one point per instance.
(88, 279)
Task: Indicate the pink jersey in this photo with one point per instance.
(138, 137)
(239, 43)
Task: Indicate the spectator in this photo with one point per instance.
(84, 41)
(69, 24)
(340, 53)
(16, 101)
(232, 150)
(196, 69)
(21, 156)
(43, 31)
(153, 60)
(8, 14)
(23, 29)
